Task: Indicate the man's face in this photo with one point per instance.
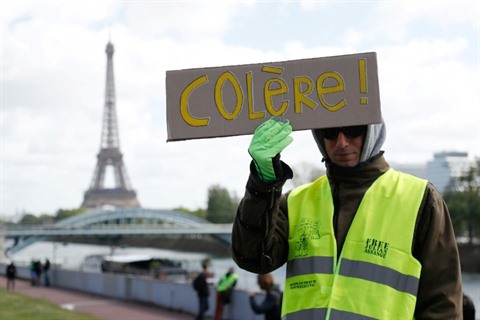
(344, 149)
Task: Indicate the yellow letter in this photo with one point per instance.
(300, 96)
(321, 90)
(227, 76)
(276, 70)
(269, 93)
(251, 114)
(194, 122)
(362, 73)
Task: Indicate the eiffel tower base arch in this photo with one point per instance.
(97, 198)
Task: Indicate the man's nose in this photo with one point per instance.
(342, 140)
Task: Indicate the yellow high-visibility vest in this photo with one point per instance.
(226, 282)
(376, 276)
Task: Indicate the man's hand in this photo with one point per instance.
(268, 141)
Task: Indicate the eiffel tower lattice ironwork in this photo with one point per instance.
(121, 195)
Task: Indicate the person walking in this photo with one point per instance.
(200, 284)
(224, 291)
(33, 274)
(11, 272)
(37, 269)
(364, 241)
(46, 273)
(272, 303)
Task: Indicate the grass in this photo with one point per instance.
(15, 306)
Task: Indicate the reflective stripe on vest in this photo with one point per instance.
(376, 276)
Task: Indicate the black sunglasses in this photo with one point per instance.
(349, 132)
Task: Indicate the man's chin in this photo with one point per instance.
(346, 163)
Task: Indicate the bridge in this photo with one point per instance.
(116, 222)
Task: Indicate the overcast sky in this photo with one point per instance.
(53, 71)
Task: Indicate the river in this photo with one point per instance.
(70, 256)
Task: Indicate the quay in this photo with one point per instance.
(125, 297)
(103, 308)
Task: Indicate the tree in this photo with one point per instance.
(200, 212)
(221, 207)
(463, 199)
(29, 218)
(67, 213)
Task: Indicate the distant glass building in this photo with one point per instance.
(446, 165)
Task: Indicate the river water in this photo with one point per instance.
(70, 256)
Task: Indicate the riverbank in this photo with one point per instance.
(98, 306)
(177, 297)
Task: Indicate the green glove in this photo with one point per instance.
(268, 141)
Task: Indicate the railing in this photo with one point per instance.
(120, 229)
(171, 295)
(117, 222)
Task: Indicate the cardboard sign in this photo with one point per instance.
(310, 93)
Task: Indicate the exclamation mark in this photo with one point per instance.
(362, 72)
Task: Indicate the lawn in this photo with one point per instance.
(14, 306)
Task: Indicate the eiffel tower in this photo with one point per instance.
(121, 195)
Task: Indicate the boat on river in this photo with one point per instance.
(136, 264)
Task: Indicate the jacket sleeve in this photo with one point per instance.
(260, 228)
(440, 288)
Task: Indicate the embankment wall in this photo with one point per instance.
(165, 294)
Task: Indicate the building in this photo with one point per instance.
(445, 166)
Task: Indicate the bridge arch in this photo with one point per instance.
(120, 216)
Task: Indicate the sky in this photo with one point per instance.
(53, 73)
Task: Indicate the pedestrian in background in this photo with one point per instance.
(46, 272)
(200, 284)
(271, 305)
(11, 272)
(33, 274)
(224, 291)
(37, 270)
(468, 308)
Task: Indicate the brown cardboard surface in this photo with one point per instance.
(310, 93)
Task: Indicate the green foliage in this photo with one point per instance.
(67, 213)
(45, 218)
(29, 218)
(221, 206)
(463, 199)
(17, 306)
(201, 213)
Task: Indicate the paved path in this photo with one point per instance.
(101, 307)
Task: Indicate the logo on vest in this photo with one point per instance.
(303, 284)
(307, 230)
(376, 247)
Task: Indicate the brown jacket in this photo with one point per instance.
(260, 233)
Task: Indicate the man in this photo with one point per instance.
(11, 272)
(46, 272)
(200, 284)
(364, 241)
(224, 291)
(271, 304)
